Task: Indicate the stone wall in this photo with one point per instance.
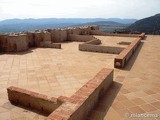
(14, 43)
(98, 32)
(76, 31)
(48, 44)
(82, 102)
(31, 41)
(94, 42)
(101, 49)
(33, 100)
(37, 38)
(20, 42)
(75, 107)
(122, 59)
(80, 38)
(142, 36)
(58, 35)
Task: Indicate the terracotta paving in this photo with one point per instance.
(52, 72)
(57, 72)
(136, 89)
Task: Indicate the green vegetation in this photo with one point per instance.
(150, 25)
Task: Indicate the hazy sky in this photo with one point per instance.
(78, 8)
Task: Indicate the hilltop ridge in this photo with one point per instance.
(149, 25)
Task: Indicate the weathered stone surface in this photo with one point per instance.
(101, 49)
(48, 44)
(80, 38)
(58, 35)
(23, 40)
(14, 43)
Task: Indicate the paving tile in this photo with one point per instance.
(149, 99)
(128, 103)
(156, 96)
(131, 95)
(5, 115)
(149, 92)
(121, 98)
(136, 109)
(3, 109)
(123, 112)
(124, 91)
(156, 104)
(138, 101)
(117, 105)
(148, 107)
(112, 115)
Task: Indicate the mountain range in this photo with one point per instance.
(149, 25)
(17, 25)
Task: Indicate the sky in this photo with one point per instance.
(78, 8)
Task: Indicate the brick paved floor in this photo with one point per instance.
(136, 89)
(57, 72)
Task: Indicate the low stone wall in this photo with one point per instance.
(80, 38)
(83, 101)
(31, 99)
(142, 36)
(122, 35)
(101, 49)
(122, 59)
(48, 44)
(98, 32)
(94, 42)
(75, 107)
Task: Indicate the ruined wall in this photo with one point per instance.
(97, 32)
(80, 38)
(0, 44)
(58, 35)
(21, 42)
(31, 42)
(46, 36)
(48, 44)
(85, 30)
(3, 43)
(35, 38)
(13, 43)
(76, 31)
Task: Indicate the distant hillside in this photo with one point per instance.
(108, 26)
(17, 25)
(150, 25)
(123, 21)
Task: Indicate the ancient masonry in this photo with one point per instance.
(81, 102)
